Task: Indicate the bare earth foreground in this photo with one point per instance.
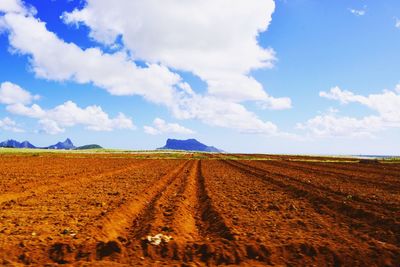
(197, 210)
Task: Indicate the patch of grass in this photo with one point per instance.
(325, 160)
(176, 154)
(391, 160)
(114, 153)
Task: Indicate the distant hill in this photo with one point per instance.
(67, 144)
(92, 146)
(15, 144)
(189, 145)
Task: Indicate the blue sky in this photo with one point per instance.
(294, 76)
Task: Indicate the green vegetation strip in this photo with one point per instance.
(176, 154)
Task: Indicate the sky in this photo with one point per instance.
(260, 76)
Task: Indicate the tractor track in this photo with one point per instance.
(332, 182)
(183, 210)
(342, 174)
(179, 206)
(81, 180)
(118, 223)
(359, 217)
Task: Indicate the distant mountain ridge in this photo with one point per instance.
(67, 145)
(15, 144)
(188, 145)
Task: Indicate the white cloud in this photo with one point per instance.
(50, 127)
(8, 124)
(54, 120)
(15, 6)
(52, 58)
(344, 97)
(331, 125)
(69, 114)
(206, 38)
(215, 40)
(217, 112)
(34, 111)
(385, 104)
(358, 12)
(397, 24)
(12, 94)
(162, 127)
(276, 103)
(397, 88)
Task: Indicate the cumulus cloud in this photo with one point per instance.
(332, 125)
(386, 104)
(397, 23)
(50, 127)
(160, 126)
(11, 93)
(18, 101)
(69, 114)
(358, 12)
(15, 6)
(8, 124)
(215, 40)
(217, 112)
(276, 103)
(343, 96)
(52, 58)
(397, 88)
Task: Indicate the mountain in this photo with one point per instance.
(67, 144)
(189, 144)
(26, 144)
(92, 146)
(15, 144)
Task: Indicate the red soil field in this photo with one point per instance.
(100, 210)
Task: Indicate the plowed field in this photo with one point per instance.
(124, 211)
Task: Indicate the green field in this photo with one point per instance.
(176, 154)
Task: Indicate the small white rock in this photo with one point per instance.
(158, 239)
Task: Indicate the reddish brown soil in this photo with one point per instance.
(98, 211)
